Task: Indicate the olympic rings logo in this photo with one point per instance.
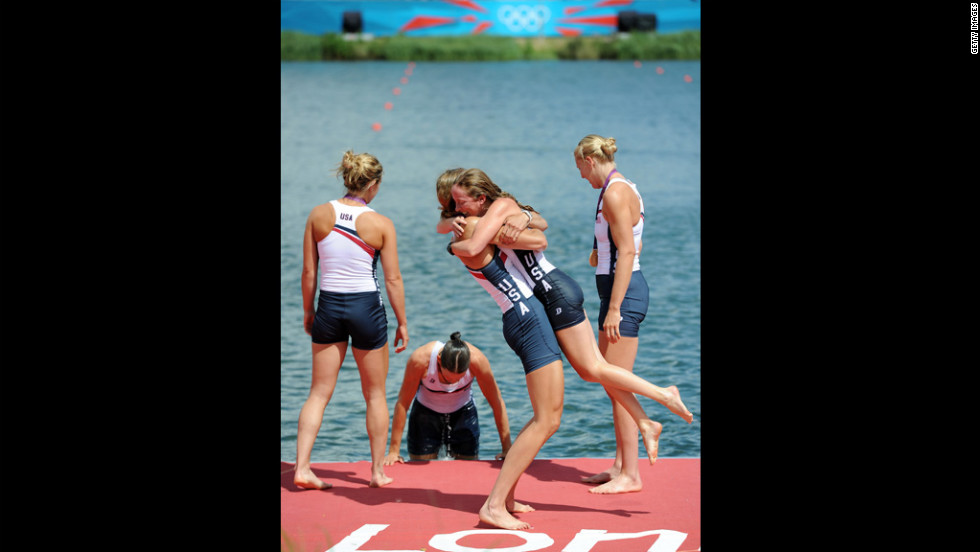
(524, 17)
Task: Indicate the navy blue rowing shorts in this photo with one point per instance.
(529, 334)
(635, 303)
(359, 317)
(563, 301)
(428, 430)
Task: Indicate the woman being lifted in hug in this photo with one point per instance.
(502, 219)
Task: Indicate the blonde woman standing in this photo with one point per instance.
(345, 239)
(623, 292)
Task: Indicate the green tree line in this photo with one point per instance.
(298, 46)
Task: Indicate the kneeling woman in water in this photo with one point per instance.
(438, 384)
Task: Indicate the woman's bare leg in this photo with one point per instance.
(546, 389)
(579, 345)
(514, 506)
(373, 367)
(326, 365)
(622, 353)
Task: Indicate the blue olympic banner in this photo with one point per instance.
(491, 17)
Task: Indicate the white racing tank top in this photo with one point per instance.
(441, 397)
(532, 265)
(504, 282)
(604, 242)
(347, 263)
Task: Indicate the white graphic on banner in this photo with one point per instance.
(523, 17)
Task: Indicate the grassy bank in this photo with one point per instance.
(296, 46)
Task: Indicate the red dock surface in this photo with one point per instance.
(434, 505)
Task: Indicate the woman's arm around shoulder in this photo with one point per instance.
(491, 221)
(451, 224)
(478, 259)
(530, 238)
(516, 223)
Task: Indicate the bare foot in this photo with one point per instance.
(501, 519)
(619, 484)
(675, 405)
(306, 480)
(519, 508)
(651, 438)
(379, 480)
(601, 477)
